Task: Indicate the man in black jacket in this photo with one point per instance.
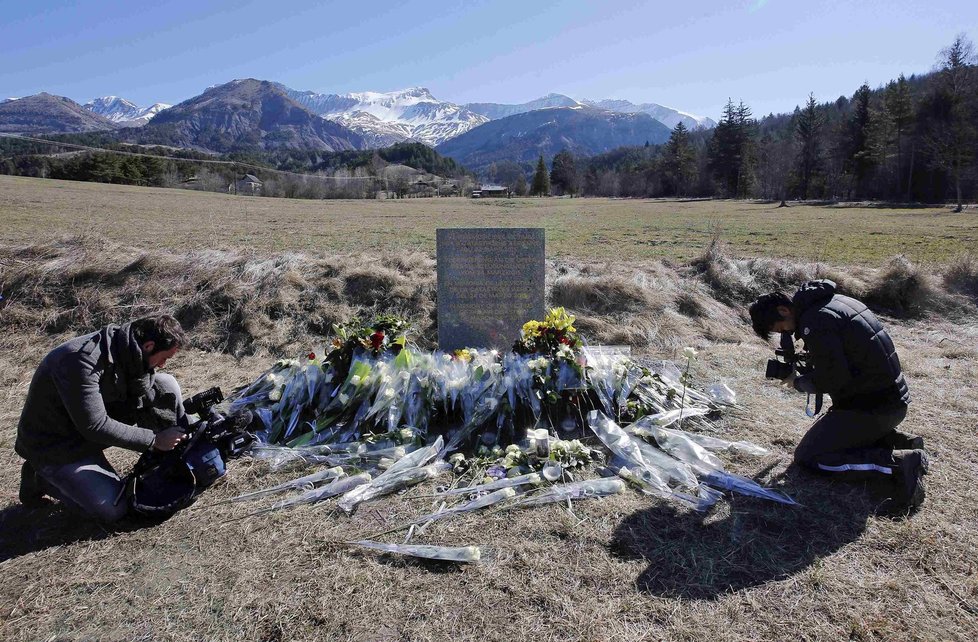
(95, 391)
(852, 360)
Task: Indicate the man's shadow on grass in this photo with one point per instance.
(28, 530)
(745, 542)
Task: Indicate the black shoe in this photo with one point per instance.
(912, 465)
(901, 441)
(31, 493)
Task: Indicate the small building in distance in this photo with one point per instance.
(247, 184)
(491, 191)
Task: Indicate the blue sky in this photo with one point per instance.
(691, 55)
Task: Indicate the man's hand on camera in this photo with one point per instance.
(168, 439)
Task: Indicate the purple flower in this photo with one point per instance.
(496, 472)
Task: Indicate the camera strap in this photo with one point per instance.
(818, 405)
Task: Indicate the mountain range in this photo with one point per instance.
(387, 118)
(666, 115)
(256, 115)
(523, 137)
(244, 115)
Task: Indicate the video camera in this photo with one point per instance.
(792, 360)
(228, 434)
(201, 403)
(161, 483)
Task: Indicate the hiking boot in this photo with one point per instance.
(31, 487)
(911, 467)
(902, 441)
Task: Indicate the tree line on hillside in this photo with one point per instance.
(297, 173)
(913, 140)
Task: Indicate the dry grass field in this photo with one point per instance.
(580, 228)
(74, 255)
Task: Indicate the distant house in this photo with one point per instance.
(491, 191)
(246, 184)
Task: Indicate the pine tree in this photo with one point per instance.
(859, 157)
(747, 139)
(808, 129)
(563, 173)
(541, 180)
(898, 104)
(725, 150)
(680, 160)
(957, 84)
(732, 152)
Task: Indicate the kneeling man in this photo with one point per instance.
(854, 361)
(95, 391)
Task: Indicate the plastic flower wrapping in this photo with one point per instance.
(516, 425)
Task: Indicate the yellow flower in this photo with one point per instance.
(558, 319)
(531, 329)
(463, 355)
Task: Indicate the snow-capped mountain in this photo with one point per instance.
(124, 112)
(387, 118)
(495, 111)
(666, 115)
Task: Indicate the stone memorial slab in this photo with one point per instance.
(490, 282)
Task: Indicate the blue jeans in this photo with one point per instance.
(90, 485)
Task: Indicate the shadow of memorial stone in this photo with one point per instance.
(744, 542)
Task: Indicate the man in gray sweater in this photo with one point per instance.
(95, 391)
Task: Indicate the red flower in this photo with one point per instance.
(565, 341)
(311, 355)
(377, 339)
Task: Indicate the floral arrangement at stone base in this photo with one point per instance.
(516, 427)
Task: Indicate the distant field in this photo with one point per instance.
(36, 209)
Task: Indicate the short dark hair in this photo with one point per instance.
(163, 330)
(764, 312)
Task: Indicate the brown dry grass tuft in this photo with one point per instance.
(738, 281)
(229, 301)
(903, 289)
(961, 275)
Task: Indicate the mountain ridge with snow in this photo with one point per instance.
(668, 116)
(385, 118)
(122, 111)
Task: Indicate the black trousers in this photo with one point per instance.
(852, 443)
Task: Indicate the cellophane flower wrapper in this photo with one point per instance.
(679, 446)
(336, 487)
(735, 483)
(529, 479)
(722, 393)
(464, 554)
(306, 482)
(573, 491)
(622, 446)
(717, 445)
(391, 482)
(709, 469)
(483, 501)
(282, 456)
